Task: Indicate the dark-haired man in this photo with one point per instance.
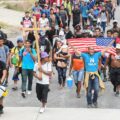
(28, 58)
(3, 73)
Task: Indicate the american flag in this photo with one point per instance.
(98, 43)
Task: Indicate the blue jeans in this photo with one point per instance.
(103, 25)
(27, 73)
(78, 75)
(61, 75)
(93, 85)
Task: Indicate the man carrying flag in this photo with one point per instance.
(114, 63)
(92, 79)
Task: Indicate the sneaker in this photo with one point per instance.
(95, 105)
(78, 95)
(23, 94)
(114, 89)
(29, 92)
(14, 88)
(63, 84)
(89, 106)
(42, 110)
(1, 109)
(60, 87)
(117, 94)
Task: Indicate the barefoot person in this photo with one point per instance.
(114, 62)
(77, 68)
(42, 86)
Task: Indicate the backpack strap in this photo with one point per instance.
(6, 49)
(15, 49)
(23, 51)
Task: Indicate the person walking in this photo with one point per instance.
(77, 68)
(92, 79)
(114, 66)
(28, 58)
(3, 74)
(43, 74)
(62, 57)
(14, 56)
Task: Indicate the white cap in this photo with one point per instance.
(117, 46)
(115, 21)
(54, 3)
(64, 46)
(61, 33)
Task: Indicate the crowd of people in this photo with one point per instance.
(65, 19)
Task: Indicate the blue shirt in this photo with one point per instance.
(91, 61)
(36, 9)
(84, 10)
(96, 13)
(46, 11)
(27, 61)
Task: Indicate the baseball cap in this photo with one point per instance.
(44, 55)
(20, 39)
(117, 46)
(1, 36)
(46, 5)
(115, 21)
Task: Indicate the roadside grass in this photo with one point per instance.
(20, 5)
(4, 25)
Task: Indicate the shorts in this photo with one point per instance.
(78, 75)
(16, 73)
(115, 76)
(42, 92)
(37, 16)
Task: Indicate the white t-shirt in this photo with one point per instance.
(43, 22)
(45, 78)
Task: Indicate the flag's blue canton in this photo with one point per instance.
(103, 41)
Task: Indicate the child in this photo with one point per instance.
(42, 86)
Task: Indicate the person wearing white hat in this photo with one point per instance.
(3, 74)
(62, 36)
(62, 57)
(114, 63)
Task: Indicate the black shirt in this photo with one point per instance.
(76, 17)
(68, 35)
(2, 67)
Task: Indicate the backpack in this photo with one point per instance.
(14, 59)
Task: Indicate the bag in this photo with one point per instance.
(14, 59)
(3, 91)
(69, 82)
(61, 64)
